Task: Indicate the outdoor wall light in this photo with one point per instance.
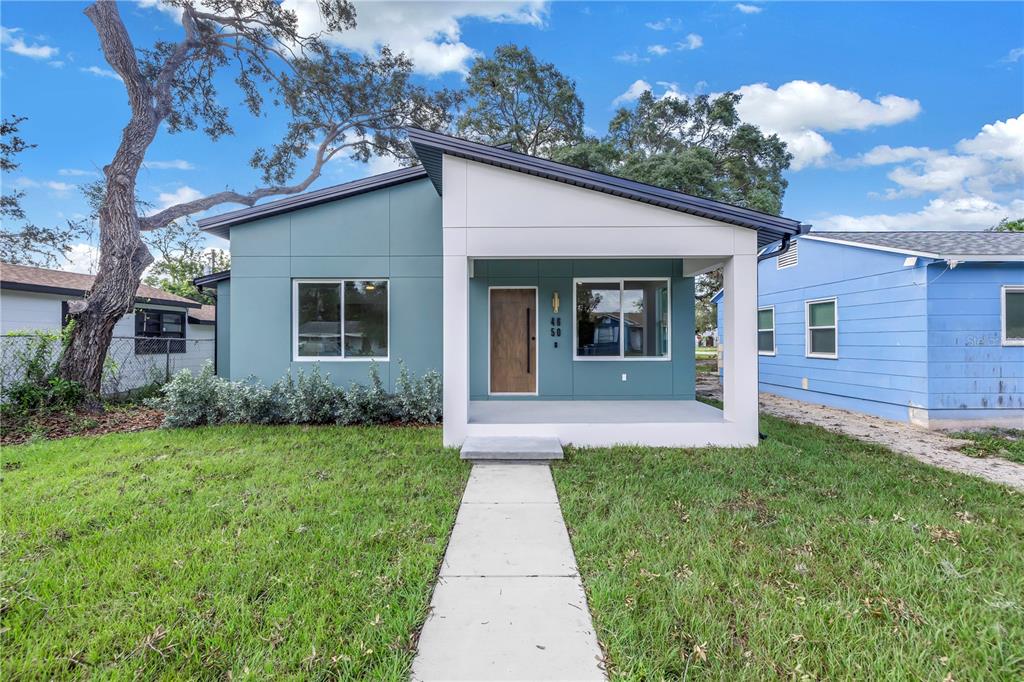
(554, 301)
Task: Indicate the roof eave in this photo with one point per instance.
(68, 291)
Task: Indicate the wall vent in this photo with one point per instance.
(790, 258)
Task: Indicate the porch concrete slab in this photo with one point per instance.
(592, 412)
(516, 448)
(509, 540)
(504, 484)
(511, 628)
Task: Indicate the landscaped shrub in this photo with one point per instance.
(367, 403)
(418, 401)
(308, 398)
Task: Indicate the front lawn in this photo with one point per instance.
(813, 556)
(220, 553)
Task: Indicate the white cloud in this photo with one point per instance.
(884, 154)
(428, 32)
(630, 58)
(82, 258)
(659, 50)
(13, 42)
(77, 173)
(963, 213)
(1013, 56)
(633, 92)
(974, 187)
(999, 140)
(692, 42)
(173, 164)
(798, 111)
(59, 187)
(178, 196)
(101, 72)
(666, 24)
(748, 9)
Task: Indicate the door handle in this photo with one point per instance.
(528, 341)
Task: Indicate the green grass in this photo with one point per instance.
(219, 553)
(813, 556)
(1005, 443)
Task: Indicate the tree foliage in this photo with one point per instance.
(181, 257)
(1007, 225)
(515, 99)
(698, 146)
(22, 241)
(336, 104)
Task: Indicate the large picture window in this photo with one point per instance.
(159, 331)
(766, 331)
(622, 319)
(341, 319)
(1013, 316)
(822, 329)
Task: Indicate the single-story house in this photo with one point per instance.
(163, 332)
(922, 327)
(556, 302)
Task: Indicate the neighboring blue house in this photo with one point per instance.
(557, 302)
(925, 327)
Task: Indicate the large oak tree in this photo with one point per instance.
(336, 103)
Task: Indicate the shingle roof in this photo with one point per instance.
(27, 278)
(207, 314)
(431, 147)
(957, 245)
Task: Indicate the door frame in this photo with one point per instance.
(536, 323)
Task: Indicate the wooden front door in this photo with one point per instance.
(513, 340)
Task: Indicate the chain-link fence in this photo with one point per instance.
(132, 362)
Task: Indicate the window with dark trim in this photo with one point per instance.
(159, 331)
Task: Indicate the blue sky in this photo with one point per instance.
(901, 116)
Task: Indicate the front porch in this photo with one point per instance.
(602, 422)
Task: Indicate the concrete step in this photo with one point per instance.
(512, 448)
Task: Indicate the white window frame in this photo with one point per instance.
(341, 283)
(807, 327)
(621, 357)
(772, 330)
(1008, 288)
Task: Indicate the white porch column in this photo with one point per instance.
(456, 349)
(739, 389)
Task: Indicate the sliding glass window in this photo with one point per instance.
(340, 319)
(626, 318)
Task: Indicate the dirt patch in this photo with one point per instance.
(82, 423)
(930, 447)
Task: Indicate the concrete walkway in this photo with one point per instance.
(509, 603)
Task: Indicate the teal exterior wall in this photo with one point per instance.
(223, 324)
(392, 233)
(560, 377)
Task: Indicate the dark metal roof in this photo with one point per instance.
(212, 278)
(954, 245)
(431, 147)
(220, 225)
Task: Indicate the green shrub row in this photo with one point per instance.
(307, 398)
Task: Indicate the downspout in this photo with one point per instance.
(786, 243)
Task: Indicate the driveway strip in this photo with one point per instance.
(509, 603)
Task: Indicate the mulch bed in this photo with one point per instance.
(57, 425)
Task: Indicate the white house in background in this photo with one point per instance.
(163, 333)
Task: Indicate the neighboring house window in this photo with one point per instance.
(341, 319)
(622, 319)
(1013, 316)
(822, 329)
(159, 331)
(766, 330)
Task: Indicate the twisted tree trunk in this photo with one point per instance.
(123, 254)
